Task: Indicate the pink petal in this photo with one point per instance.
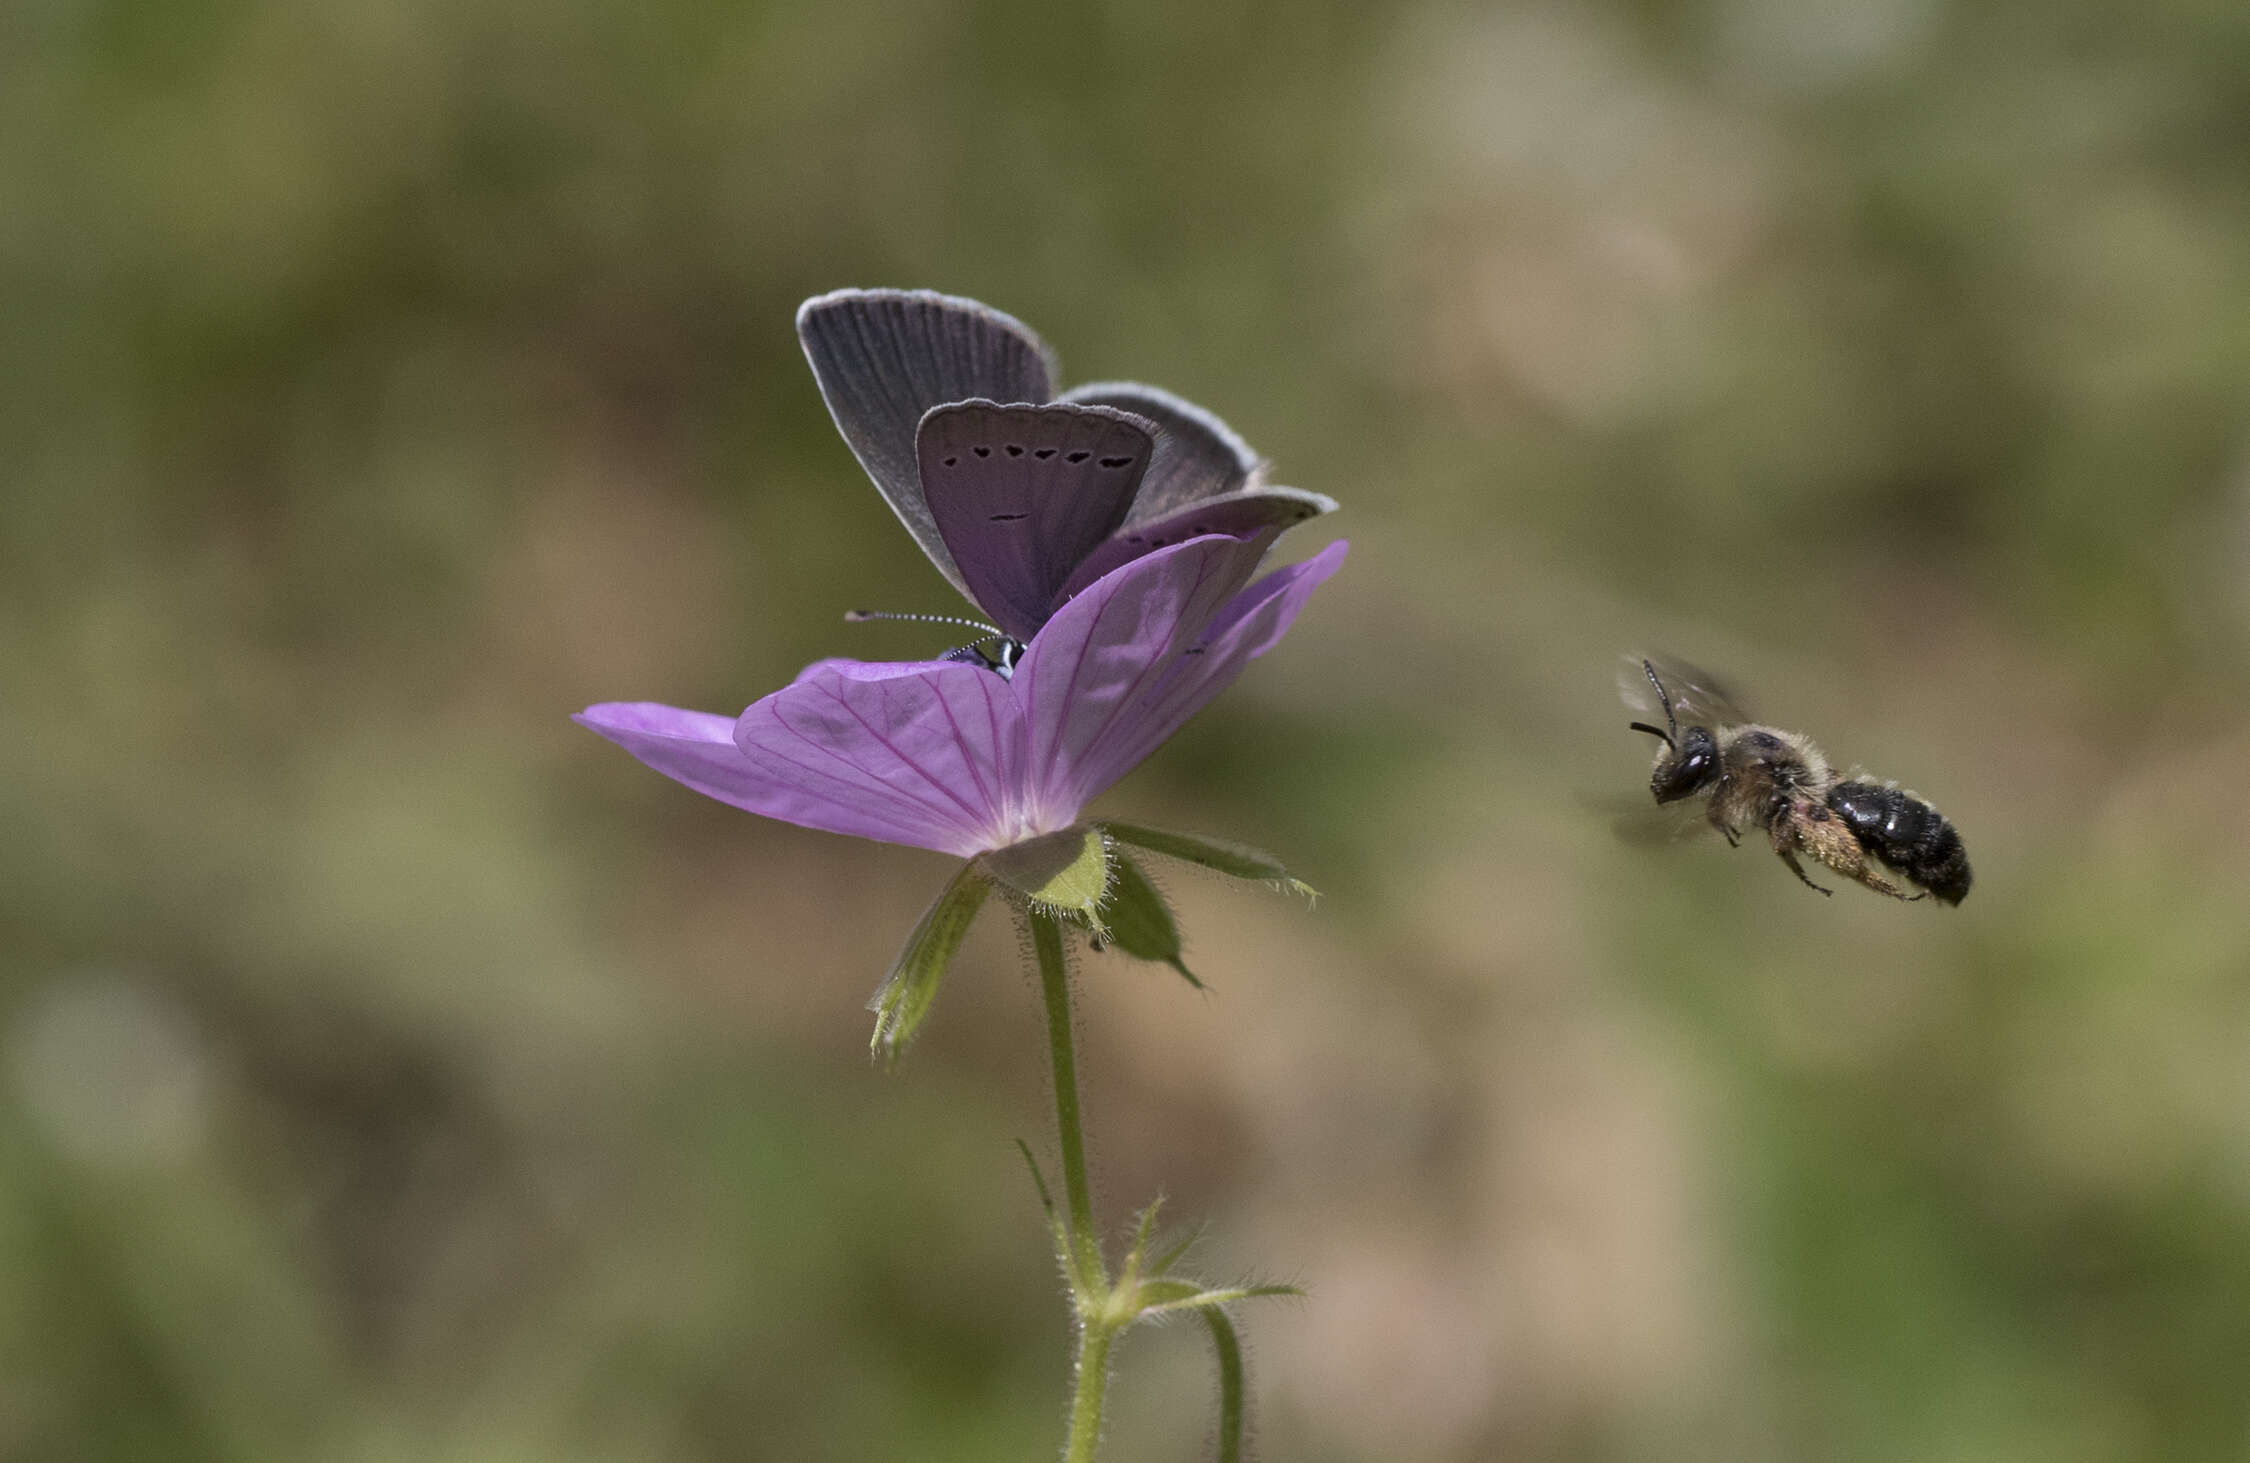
(1122, 666)
(872, 670)
(927, 754)
(1255, 620)
(1249, 625)
(694, 747)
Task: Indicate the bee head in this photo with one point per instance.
(1691, 758)
(1688, 768)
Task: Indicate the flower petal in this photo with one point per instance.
(1255, 620)
(694, 747)
(1136, 669)
(927, 753)
(1085, 674)
(884, 357)
(872, 670)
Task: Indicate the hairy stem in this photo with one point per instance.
(1054, 983)
(1097, 1328)
(1094, 1340)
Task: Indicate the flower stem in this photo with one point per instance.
(1097, 1328)
(1054, 983)
(1094, 1339)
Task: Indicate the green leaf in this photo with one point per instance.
(1140, 923)
(1237, 860)
(1145, 1226)
(906, 994)
(1066, 872)
(1163, 1297)
(1155, 1293)
(1177, 1253)
(1056, 1230)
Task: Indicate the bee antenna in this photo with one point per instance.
(1655, 731)
(1666, 697)
(861, 617)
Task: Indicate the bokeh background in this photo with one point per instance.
(391, 1070)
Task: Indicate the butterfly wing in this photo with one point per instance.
(1203, 479)
(883, 358)
(1023, 494)
(1251, 511)
(1197, 455)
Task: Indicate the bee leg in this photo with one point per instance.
(1719, 792)
(1819, 832)
(1882, 885)
(1799, 870)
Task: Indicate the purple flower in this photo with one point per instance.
(1111, 536)
(951, 756)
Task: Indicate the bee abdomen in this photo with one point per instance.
(1906, 833)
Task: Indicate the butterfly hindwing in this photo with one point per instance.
(883, 358)
(1197, 456)
(1243, 513)
(1021, 496)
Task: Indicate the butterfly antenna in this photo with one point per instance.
(861, 617)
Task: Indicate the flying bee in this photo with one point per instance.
(1760, 777)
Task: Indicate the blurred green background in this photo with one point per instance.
(391, 1070)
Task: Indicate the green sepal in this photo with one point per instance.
(1140, 923)
(907, 993)
(1237, 860)
(1065, 873)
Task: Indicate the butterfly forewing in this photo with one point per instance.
(883, 358)
(1022, 495)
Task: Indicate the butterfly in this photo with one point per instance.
(1022, 498)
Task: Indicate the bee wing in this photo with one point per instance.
(1639, 823)
(1698, 697)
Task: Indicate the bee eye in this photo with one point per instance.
(1696, 769)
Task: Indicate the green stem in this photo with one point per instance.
(1054, 983)
(1094, 1340)
(1090, 1276)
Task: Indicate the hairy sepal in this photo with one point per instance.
(1066, 874)
(908, 992)
(1236, 860)
(1140, 922)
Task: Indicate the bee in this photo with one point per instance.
(1761, 777)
